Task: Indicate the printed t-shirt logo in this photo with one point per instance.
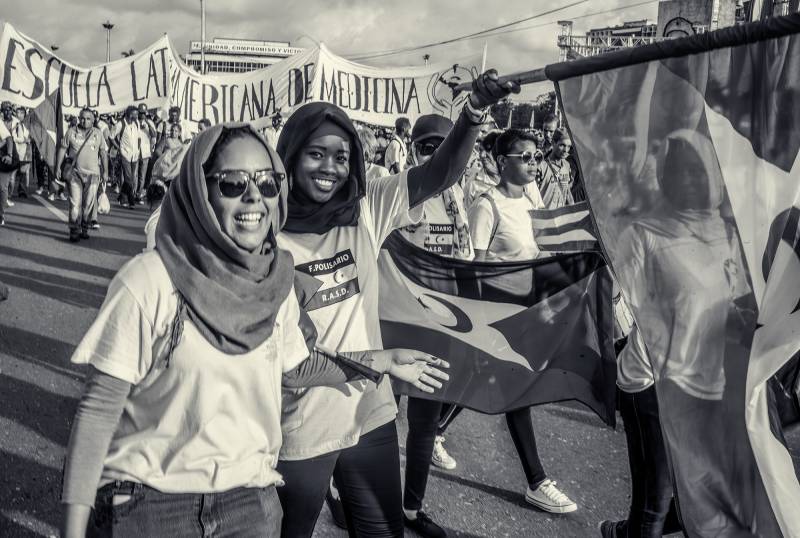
(440, 239)
(339, 277)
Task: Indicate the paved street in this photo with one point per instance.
(56, 288)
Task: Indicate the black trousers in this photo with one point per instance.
(424, 424)
(367, 476)
(652, 512)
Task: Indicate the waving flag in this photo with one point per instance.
(564, 229)
(46, 125)
(515, 334)
(690, 153)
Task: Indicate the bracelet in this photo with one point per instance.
(475, 116)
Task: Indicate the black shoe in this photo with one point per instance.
(23, 194)
(84, 234)
(608, 529)
(337, 510)
(424, 526)
(94, 225)
(74, 237)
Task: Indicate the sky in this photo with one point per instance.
(347, 27)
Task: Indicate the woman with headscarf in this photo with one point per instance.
(336, 224)
(179, 423)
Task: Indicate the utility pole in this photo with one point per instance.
(426, 58)
(108, 26)
(203, 37)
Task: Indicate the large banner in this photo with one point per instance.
(690, 151)
(157, 77)
(516, 334)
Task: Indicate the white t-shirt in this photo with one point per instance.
(634, 372)
(130, 138)
(436, 233)
(4, 132)
(396, 153)
(209, 422)
(680, 289)
(507, 234)
(375, 171)
(319, 420)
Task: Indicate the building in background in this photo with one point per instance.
(607, 39)
(226, 55)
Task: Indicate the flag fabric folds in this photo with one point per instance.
(46, 125)
(516, 334)
(564, 229)
(690, 152)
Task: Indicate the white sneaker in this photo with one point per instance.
(39, 191)
(63, 197)
(549, 498)
(9, 203)
(51, 197)
(440, 456)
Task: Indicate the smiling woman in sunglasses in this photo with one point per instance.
(336, 224)
(178, 430)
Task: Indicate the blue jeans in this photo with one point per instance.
(142, 511)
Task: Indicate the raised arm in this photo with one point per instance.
(450, 160)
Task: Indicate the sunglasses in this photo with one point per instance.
(527, 156)
(233, 183)
(427, 148)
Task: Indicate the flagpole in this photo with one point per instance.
(108, 26)
(525, 77)
(202, 37)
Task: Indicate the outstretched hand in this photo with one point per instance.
(417, 368)
(488, 90)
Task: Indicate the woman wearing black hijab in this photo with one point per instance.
(335, 227)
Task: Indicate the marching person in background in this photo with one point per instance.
(7, 170)
(148, 137)
(179, 423)
(273, 132)
(502, 231)
(549, 126)
(336, 224)
(85, 147)
(10, 122)
(396, 155)
(442, 230)
(370, 145)
(556, 178)
(128, 139)
(22, 140)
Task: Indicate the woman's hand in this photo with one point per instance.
(414, 367)
(488, 90)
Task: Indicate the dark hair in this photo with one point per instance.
(560, 133)
(488, 141)
(505, 141)
(205, 121)
(550, 118)
(227, 136)
(87, 109)
(156, 191)
(130, 109)
(401, 122)
(174, 109)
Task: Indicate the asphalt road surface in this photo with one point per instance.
(56, 288)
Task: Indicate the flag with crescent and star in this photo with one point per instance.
(690, 153)
(516, 334)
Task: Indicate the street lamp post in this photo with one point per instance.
(108, 26)
(203, 37)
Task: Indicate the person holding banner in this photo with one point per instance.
(180, 417)
(335, 226)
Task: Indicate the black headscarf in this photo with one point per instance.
(305, 215)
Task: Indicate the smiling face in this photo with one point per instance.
(513, 170)
(246, 218)
(323, 167)
(562, 148)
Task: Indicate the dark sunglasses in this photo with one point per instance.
(427, 148)
(233, 183)
(527, 156)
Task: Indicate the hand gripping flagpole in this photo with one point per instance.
(524, 77)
